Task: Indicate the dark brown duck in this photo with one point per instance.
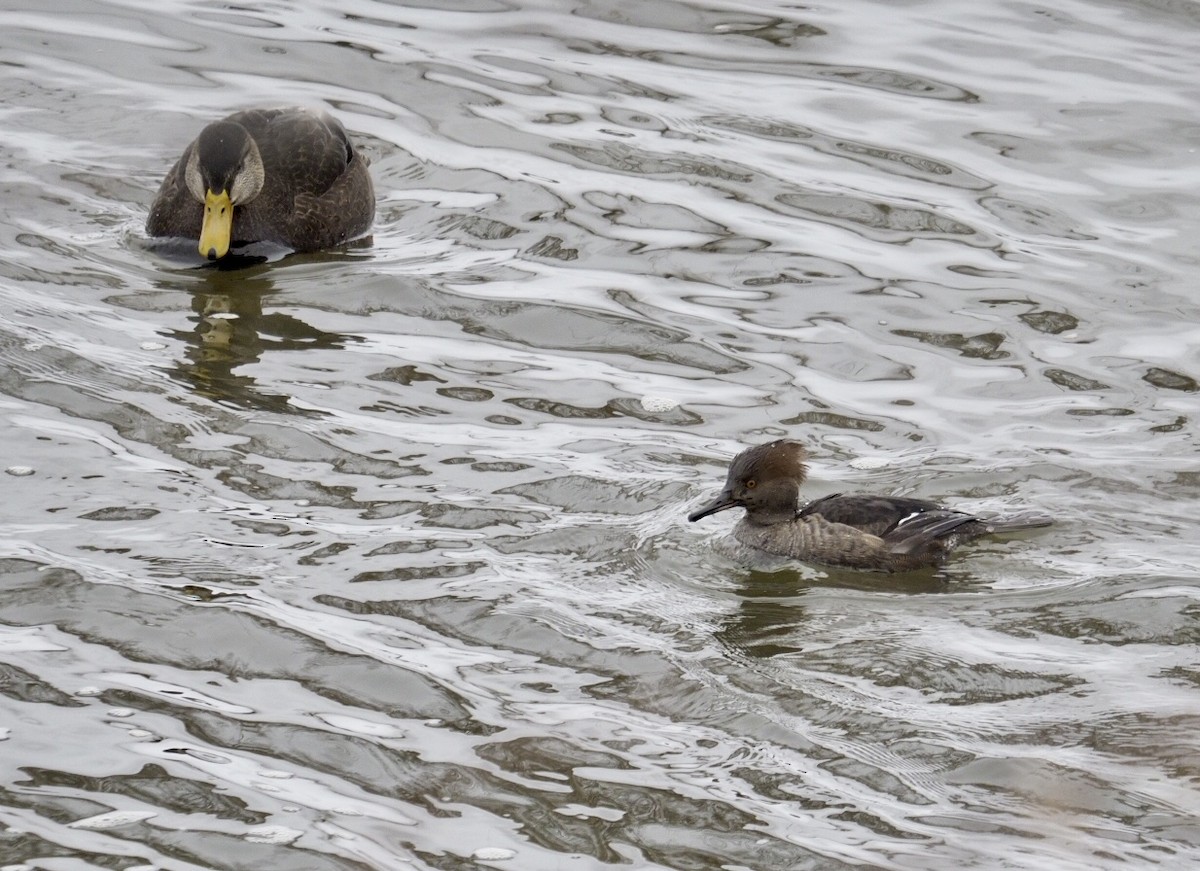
(287, 175)
(874, 533)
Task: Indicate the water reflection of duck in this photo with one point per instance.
(288, 176)
(875, 533)
(231, 332)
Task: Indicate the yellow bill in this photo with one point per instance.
(217, 230)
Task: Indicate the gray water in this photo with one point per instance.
(377, 559)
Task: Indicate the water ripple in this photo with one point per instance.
(378, 556)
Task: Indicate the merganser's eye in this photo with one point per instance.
(751, 484)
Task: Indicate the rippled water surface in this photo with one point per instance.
(377, 558)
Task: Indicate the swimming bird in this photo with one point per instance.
(287, 175)
(874, 533)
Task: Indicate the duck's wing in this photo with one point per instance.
(935, 530)
(317, 192)
(304, 152)
(906, 526)
(877, 515)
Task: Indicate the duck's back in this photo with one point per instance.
(317, 192)
(303, 151)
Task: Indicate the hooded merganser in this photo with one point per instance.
(875, 533)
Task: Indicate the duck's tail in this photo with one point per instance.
(1016, 523)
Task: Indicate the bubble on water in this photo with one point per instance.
(111, 820)
(275, 773)
(658, 403)
(205, 756)
(493, 854)
(361, 726)
(152, 346)
(611, 814)
(273, 835)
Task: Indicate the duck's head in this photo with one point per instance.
(765, 480)
(224, 171)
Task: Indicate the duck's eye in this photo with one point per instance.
(751, 484)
